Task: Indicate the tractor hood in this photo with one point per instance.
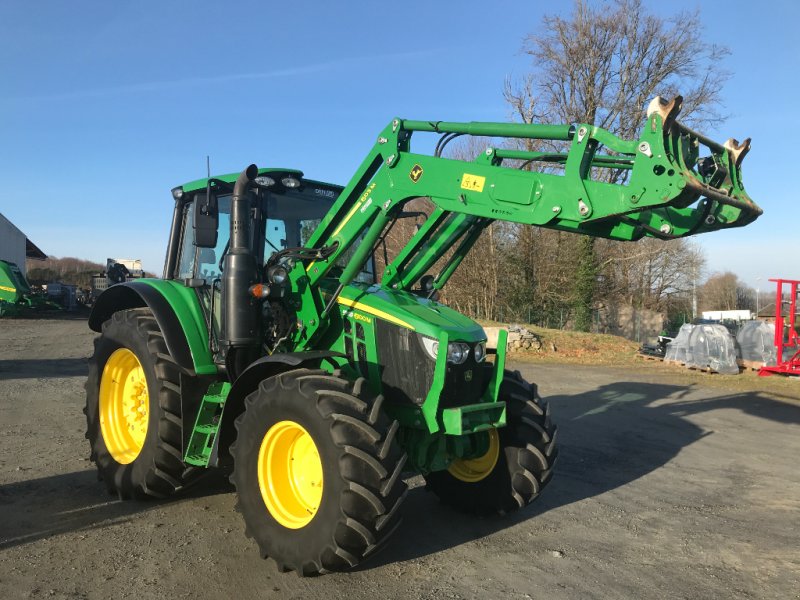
(405, 309)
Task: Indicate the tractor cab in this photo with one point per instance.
(284, 211)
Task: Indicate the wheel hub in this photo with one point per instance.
(475, 469)
(124, 406)
(290, 474)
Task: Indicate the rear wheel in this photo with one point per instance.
(517, 464)
(317, 471)
(133, 408)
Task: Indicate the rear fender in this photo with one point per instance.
(177, 311)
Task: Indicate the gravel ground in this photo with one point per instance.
(665, 488)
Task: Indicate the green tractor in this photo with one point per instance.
(273, 350)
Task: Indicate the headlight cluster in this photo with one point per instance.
(457, 352)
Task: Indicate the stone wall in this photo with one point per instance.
(519, 338)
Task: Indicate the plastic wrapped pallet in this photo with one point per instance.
(712, 347)
(755, 342)
(677, 348)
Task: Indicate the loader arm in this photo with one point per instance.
(678, 183)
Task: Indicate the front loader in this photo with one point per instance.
(273, 350)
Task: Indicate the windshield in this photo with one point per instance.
(294, 215)
(291, 217)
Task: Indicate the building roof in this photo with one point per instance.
(31, 249)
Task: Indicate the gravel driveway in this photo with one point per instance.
(664, 489)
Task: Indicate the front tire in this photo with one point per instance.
(516, 467)
(317, 471)
(133, 409)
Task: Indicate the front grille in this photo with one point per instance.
(407, 370)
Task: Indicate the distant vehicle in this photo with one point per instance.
(118, 270)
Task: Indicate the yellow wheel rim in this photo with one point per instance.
(475, 469)
(124, 406)
(290, 474)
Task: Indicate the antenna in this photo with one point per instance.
(208, 166)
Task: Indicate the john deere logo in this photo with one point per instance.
(468, 375)
(415, 173)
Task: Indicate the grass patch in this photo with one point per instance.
(575, 347)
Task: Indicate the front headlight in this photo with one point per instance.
(431, 346)
(277, 274)
(457, 352)
(480, 352)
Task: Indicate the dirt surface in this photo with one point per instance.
(665, 488)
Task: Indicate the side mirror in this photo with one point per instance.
(206, 220)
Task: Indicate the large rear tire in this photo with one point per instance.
(317, 471)
(516, 467)
(133, 409)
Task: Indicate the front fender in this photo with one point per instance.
(248, 381)
(177, 311)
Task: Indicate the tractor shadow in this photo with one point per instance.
(41, 368)
(72, 502)
(608, 437)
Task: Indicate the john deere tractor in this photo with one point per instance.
(272, 349)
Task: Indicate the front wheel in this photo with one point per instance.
(317, 471)
(517, 464)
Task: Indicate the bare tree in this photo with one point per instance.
(600, 66)
(603, 64)
(724, 291)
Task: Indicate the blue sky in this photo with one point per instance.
(105, 106)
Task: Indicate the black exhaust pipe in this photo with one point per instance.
(240, 309)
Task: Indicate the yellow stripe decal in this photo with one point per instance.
(364, 197)
(373, 311)
(7, 289)
(348, 217)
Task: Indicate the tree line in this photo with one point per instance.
(68, 270)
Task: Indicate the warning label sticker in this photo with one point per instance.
(473, 183)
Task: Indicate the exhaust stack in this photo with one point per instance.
(240, 309)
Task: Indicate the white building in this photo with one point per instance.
(724, 315)
(15, 247)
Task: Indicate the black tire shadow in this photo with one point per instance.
(41, 368)
(608, 438)
(43, 508)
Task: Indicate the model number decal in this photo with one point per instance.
(357, 316)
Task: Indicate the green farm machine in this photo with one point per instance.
(273, 350)
(16, 297)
